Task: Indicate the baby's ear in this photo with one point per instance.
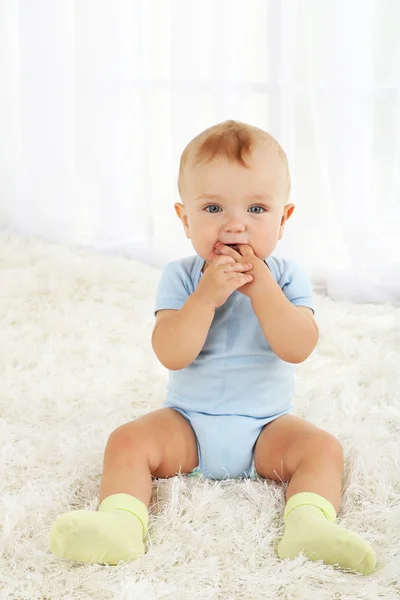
(181, 214)
(287, 213)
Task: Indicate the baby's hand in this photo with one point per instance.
(222, 277)
(244, 253)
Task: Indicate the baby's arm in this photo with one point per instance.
(179, 335)
(290, 330)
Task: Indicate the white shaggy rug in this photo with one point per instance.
(76, 362)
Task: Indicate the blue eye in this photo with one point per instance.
(212, 206)
(257, 212)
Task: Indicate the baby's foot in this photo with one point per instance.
(308, 530)
(101, 537)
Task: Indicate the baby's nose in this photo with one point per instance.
(234, 226)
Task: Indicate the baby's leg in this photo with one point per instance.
(291, 449)
(159, 444)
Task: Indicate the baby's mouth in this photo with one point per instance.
(233, 245)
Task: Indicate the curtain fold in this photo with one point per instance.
(99, 98)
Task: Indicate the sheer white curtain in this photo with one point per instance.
(99, 97)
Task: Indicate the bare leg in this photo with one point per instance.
(319, 471)
(161, 444)
(291, 449)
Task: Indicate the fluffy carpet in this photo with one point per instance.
(76, 362)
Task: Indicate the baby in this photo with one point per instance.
(231, 323)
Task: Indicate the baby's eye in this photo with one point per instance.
(262, 209)
(212, 206)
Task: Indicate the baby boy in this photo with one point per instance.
(231, 323)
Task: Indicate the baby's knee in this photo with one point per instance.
(326, 444)
(131, 439)
(318, 444)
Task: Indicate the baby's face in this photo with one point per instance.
(225, 202)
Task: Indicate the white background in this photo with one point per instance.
(98, 99)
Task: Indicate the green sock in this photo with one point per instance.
(113, 533)
(310, 527)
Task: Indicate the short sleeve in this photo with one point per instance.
(296, 286)
(173, 290)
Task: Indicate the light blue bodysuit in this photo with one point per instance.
(237, 384)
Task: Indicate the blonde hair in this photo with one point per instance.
(233, 140)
